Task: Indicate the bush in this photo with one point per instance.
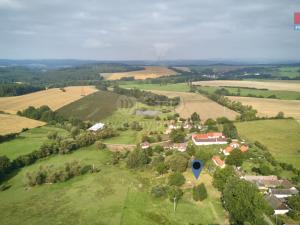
(158, 191)
(176, 179)
(177, 136)
(137, 158)
(199, 192)
(174, 192)
(100, 145)
(161, 168)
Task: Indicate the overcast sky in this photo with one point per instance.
(149, 29)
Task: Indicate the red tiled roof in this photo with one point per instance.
(218, 160)
(244, 148)
(228, 149)
(208, 135)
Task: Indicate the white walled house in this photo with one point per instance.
(211, 138)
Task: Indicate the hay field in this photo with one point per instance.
(271, 85)
(148, 72)
(270, 107)
(206, 108)
(14, 124)
(54, 98)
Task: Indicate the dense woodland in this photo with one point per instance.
(13, 89)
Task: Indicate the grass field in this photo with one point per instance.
(28, 141)
(282, 137)
(287, 71)
(148, 72)
(115, 195)
(267, 84)
(14, 124)
(206, 108)
(244, 92)
(179, 87)
(270, 107)
(94, 107)
(54, 98)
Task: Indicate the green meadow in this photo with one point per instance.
(282, 137)
(245, 92)
(28, 141)
(115, 195)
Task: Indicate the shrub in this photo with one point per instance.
(100, 145)
(159, 191)
(199, 192)
(161, 168)
(174, 192)
(176, 179)
(137, 158)
(177, 162)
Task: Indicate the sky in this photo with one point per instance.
(149, 29)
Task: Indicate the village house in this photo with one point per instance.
(145, 145)
(211, 138)
(280, 208)
(263, 183)
(96, 127)
(181, 147)
(283, 193)
(218, 161)
(234, 145)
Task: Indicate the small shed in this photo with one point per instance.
(96, 127)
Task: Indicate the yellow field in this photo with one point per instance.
(54, 98)
(271, 85)
(270, 107)
(205, 107)
(14, 124)
(148, 72)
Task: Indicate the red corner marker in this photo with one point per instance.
(297, 18)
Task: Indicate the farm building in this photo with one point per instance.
(211, 138)
(278, 205)
(226, 151)
(218, 161)
(96, 127)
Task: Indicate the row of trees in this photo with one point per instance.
(49, 174)
(147, 97)
(14, 89)
(54, 146)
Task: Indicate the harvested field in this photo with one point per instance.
(270, 107)
(271, 85)
(54, 98)
(206, 108)
(14, 124)
(149, 72)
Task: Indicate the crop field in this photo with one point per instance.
(94, 107)
(206, 108)
(28, 141)
(112, 196)
(287, 71)
(14, 124)
(54, 98)
(245, 92)
(148, 72)
(270, 107)
(271, 85)
(282, 137)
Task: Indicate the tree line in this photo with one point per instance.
(53, 146)
(14, 89)
(147, 97)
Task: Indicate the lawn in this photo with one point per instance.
(247, 92)
(28, 141)
(182, 87)
(115, 195)
(93, 107)
(282, 137)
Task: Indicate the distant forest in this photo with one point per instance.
(17, 89)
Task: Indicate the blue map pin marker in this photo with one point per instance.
(197, 167)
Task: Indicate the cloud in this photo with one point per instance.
(143, 29)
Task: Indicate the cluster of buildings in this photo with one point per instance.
(276, 191)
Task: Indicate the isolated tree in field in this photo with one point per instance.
(221, 177)
(244, 202)
(195, 117)
(280, 115)
(177, 162)
(235, 158)
(176, 179)
(177, 136)
(230, 131)
(199, 192)
(174, 192)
